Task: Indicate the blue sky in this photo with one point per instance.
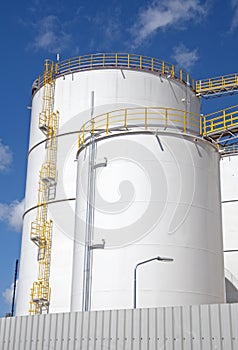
(199, 36)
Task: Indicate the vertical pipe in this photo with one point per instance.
(14, 288)
(134, 297)
(87, 277)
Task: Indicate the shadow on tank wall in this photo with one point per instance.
(231, 292)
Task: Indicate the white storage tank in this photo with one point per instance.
(158, 194)
(229, 196)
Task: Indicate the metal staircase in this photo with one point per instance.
(41, 228)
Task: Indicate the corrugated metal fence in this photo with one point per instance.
(191, 327)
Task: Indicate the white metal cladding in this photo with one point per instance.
(113, 89)
(229, 197)
(156, 196)
(197, 327)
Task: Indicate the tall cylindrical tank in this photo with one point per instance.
(183, 217)
(229, 197)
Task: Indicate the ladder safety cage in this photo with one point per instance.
(41, 228)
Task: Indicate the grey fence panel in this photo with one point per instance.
(160, 316)
(234, 325)
(204, 327)
(226, 334)
(178, 328)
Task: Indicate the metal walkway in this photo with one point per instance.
(218, 86)
(221, 127)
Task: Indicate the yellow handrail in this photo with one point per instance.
(140, 117)
(217, 84)
(217, 122)
(113, 60)
(228, 150)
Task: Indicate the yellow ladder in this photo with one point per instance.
(41, 228)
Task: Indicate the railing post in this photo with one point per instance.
(224, 118)
(146, 117)
(223, 81)
(166, 118)
(181, 75)
(116, 59)
(152, 64)
(83, 140)
(140, 62)
(107, 123)
(79, 141)
(93, 126)
(128, 60)
(188, 79)
(125, 119)
(185, 122)
(212, 126)
(172, 71)
(162, 67)
(57, 68)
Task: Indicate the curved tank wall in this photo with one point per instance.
(152, 198)
(229, 197)
(113, 89)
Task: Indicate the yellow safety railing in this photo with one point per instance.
(141, 118)
(229, 150)
(113, 60)
(217, 84)
(220, 121)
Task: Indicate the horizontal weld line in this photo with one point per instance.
(179, 246)
(57, 136)
(145, 132)
(51, 202)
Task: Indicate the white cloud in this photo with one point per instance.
(5, 157)
(165, 13)
(50, 35)
(8, 294)
(184, 57)
(234, 22)
(12, 214)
